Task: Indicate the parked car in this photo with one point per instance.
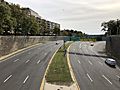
(110, 62)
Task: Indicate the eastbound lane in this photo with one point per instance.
(25, 70)
(90, 70)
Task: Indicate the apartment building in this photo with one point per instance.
(31, 12)
(46, 26)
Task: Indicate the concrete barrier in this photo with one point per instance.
(113, 46)
(10, 44)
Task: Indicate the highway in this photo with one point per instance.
(91, 72)
(25, 70)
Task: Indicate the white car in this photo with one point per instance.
(110, 61)
(92, 44)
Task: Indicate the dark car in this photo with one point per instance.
(57, 43)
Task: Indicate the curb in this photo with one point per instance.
(16, 52)
(70, 68)
(43, 80)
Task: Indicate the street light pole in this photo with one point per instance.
(117, 27)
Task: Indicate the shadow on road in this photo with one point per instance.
(90, 55)
(101, 52)
(114, 67)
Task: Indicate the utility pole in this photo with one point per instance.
(117, 26)
(64, 41)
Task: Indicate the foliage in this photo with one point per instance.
(56, 31)
(13, 20)
(5, 19)
(58, 71)
(112, 27)
(72, 33)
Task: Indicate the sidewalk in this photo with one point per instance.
(48, 86)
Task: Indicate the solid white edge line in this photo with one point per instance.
(26, 79)
(89, 77)
(107, 79)
(7, 78)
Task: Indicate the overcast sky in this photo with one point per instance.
(83, 15)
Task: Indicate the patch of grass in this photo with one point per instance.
(58, 72)
(88, 39)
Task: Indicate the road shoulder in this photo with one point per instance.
(71, 70)
(17, 52)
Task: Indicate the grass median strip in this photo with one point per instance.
(58, 72)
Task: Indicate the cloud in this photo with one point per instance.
(75, 14)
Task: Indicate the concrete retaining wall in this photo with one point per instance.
(113, 46)
(9, 44)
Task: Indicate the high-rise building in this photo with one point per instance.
(31, 12)
(46, 26)
(43, 24)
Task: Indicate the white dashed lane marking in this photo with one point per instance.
(100, 63)
(7, 78)
(106, 79)
(117, 76)
(89, 77)
(90, 62)
(16, 60)
(27, 61)
(38, 61)
(45, 54)
(26, 79)
(79, 62)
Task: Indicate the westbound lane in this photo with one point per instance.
(90, 70)
(25, 70)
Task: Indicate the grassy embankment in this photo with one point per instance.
(58, 72)
(86, 39)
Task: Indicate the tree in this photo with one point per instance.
(111, 27)
(19, 16)
(30, 26)
(35, 27)
(56, 31)
(6, 21)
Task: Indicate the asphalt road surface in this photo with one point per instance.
(89, 66)
(25, 70)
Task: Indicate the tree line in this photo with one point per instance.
(15, 21)
(67, 32)
(111, 27)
